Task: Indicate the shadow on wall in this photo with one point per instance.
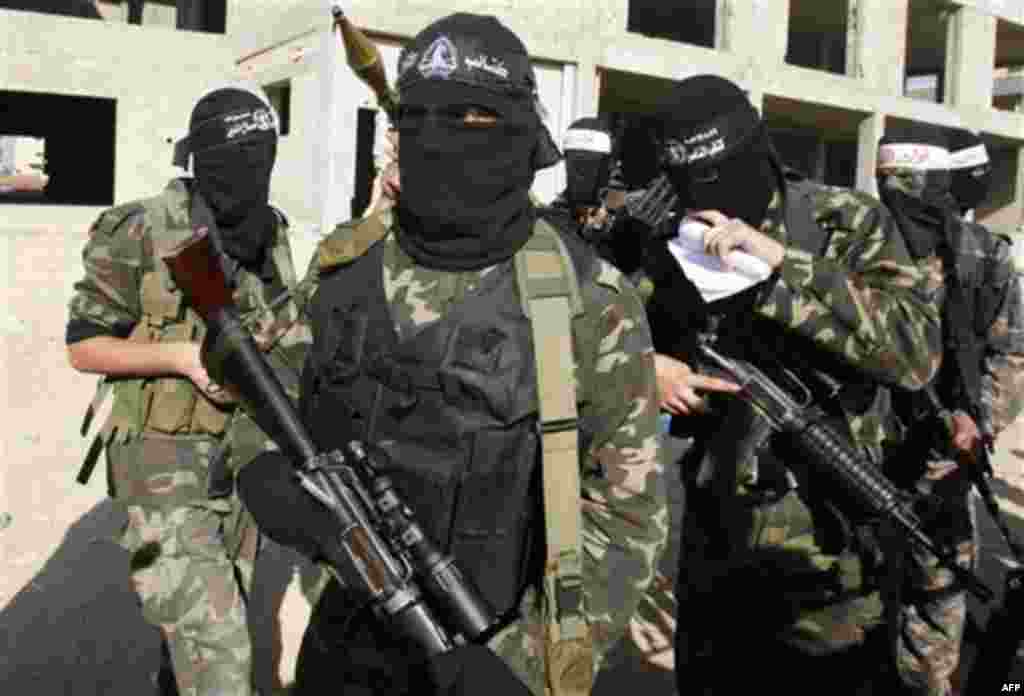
(75, 629)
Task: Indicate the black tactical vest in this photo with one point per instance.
(454, 405)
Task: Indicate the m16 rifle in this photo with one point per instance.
(382, 556)
(829, 452)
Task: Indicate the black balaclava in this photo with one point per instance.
(716, 152)
(233, 141)
(913, 181)
(588, 146)
(972, 171)
(465, 188)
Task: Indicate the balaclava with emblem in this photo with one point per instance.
(465, 187)
(233, 142)
(716, 152)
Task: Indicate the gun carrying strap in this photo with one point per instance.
(549, 291)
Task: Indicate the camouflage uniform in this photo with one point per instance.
(863, 301)
(927, 620)
(192, 553)
(622, 497)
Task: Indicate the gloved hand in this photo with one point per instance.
(283, 510)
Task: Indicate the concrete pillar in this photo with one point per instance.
(1002, 207)
(869, 133)
(586, 88)
(877, 43)
(820, 159)
(970, 58)
(758, 28)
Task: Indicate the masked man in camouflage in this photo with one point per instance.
(427, 344)
(840, 304)
(976, 394)
(594, 189)
(170, 462)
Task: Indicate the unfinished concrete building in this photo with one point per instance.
(826, 74)
(102, 98)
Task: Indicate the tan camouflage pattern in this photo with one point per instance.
(927, 639)
(192, 557)
(625, 518)
(926, 633)
(185, 559)
(1002, 381)
(865, 301)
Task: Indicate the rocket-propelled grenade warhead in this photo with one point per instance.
(363, 56)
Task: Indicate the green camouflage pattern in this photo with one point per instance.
(192, 557)
(1002, 380)
(865, 301)
(927, 637)
(625, 518)
(926, 628)
(191, 565)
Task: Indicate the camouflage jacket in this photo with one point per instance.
(985, 260)
(127, 291)
(625, 522)
(864, 300)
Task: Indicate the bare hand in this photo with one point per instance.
(732, 234)
(966, 434)
(678, 386)
(592, 217)
(190, 366)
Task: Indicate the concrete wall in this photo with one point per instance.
(580, 39)
(155, 74)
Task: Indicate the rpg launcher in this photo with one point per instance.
(385, 559)
(363, 56)
(825, 449)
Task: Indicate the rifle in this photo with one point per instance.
(653, 205)
(978, 466)
(1004, 631)
(385, 559)
(826, 449)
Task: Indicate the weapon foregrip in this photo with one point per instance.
(874, 492)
